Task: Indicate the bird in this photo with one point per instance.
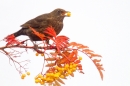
(40, 23)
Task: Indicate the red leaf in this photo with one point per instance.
(64, 60)
(77, 61)
(41, 36)
(10, 39)
(73, 59)
(61, 41)
(50, 31)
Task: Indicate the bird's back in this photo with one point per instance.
(37, 22)
(53, 19)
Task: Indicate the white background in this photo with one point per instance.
(103, 25)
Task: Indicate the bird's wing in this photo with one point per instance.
(40, 21)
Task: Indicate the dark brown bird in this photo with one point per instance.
(40, 23)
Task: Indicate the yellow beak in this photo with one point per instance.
(68, 14)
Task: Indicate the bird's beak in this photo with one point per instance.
(67, 14)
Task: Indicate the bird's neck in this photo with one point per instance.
(59, 19)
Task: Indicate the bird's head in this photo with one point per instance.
(61, 12)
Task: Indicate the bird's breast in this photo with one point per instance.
(57, 25)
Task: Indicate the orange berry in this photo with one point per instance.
(42, 54)
(22, 77)
(37, 54)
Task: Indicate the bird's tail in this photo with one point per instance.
(22, 31)
(14, 35)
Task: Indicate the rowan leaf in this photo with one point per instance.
(50, 64)
(72, 44)
(87, 51)
(57, 84)
(73, 59)
(71, 55)
(59, 80)
(54, 84)
(50, 31)
(97, 60)
(81, 72)
(72, 74)
(100, 68)
(96, 55)
(40, 35)
(101, 74)
(50, 59)
(64, 60)
(77, 61)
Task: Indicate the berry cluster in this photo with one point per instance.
(55, 74)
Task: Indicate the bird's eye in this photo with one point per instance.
(59, 12)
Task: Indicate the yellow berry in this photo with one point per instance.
(56, 75)
(36, 77)
(40, 76)
(71, 63)
(47, 79)
(47, 74)
(62, 76)
(69, 72)
(37, 80)
(66, 66)
(73, 69)
(51, 74)
(37, 54)
(23, 75)
(28, 73)
(51, 80)
(62, 69)
(74, 65)
(59, 68)
(66, 74)
(68, 14)
(80, 58)
(56, 67)
(71, 66)
(42, 83)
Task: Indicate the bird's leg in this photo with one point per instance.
(47, 42)
(34, 44)
(50, 46)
